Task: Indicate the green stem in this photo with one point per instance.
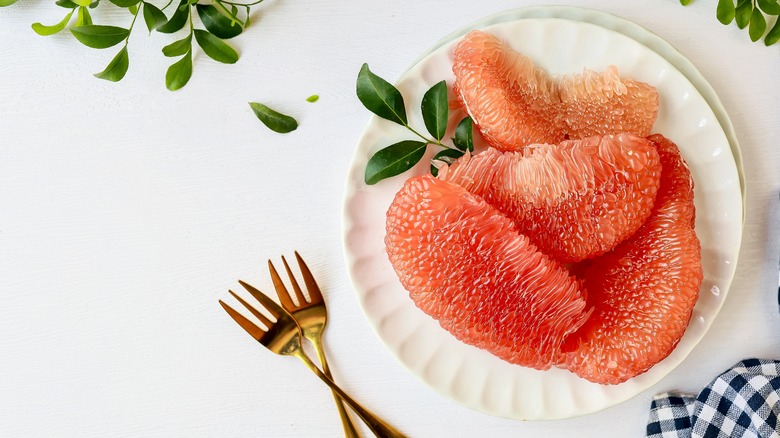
(427, 140)
(226, 12)
(166, 5)
(130, 29)
(242, 4)
(192, 27)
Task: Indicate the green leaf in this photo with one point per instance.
(6, 2)
(216, 23)
(464, 135)
(153, 17)
(757, 25)
(446, 156)
(771, 7)
(246, 22)
(117, 68)
(380, 97)
(435, 110)
(685, 2)
(125, 3)
(178, 19)
(393, 160)
(83, 18)
(215, 47)
(179, 73)
(133, 9)
(42, 30)
(178, 48)
(274, 120)
(725, 11)
(67, 4)
(99, 36)
(743, 12)
(774, 35)
(94, 4)
(313, 98)
(82, 2)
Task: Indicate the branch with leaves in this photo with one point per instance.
(221, 19)
(751, 14)
(383, 99)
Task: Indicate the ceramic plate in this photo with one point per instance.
(472, 376)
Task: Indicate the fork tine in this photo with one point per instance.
(267, 322)
(281, 290)
(250, 327)
(268, 303)
(296, 288)
(311, 285)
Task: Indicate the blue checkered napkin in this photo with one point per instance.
(742, 402)
(670, 414)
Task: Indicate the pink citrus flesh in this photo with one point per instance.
(514, 103)
(574, 200)
(465, 264)
(642, 292)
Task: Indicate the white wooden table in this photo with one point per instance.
(126, 211)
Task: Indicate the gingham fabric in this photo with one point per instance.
(742, 402)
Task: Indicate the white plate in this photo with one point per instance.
(472, 376)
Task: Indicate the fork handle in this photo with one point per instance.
(377, 425)
(346, 422)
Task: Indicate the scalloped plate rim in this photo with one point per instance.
(480, 405)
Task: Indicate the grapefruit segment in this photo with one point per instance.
(602, 103)
(498, 87)
(465, 264)
(642, 292)
(678, 191)
(575, 200)
(515, 103)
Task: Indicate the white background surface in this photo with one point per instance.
(126, 211)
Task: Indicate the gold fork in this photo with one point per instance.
(283, 336)
(312, 316)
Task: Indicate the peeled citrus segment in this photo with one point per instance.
(602, 103)
(678, 192)
(465, 264)
(514, 103)
(642, 292)
(575, 200)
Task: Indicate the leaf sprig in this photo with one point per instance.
(750, 14)
(220, 18)
(383, 99)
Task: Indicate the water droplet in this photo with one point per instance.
(715, 291)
